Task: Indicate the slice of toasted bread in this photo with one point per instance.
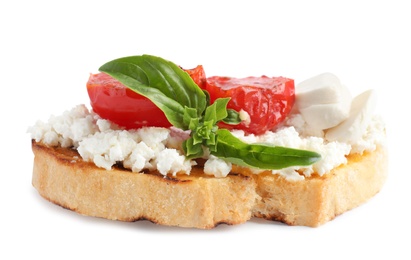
(201, 201)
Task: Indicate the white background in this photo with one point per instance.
(48, 49)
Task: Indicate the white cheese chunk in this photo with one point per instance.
(217, 167)
(324, 88)
(67, 129)
(353, 129)
(323, 101)
(170, 161)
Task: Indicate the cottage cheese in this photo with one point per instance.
(67, 129)
(153, 148)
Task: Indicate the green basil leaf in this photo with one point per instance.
(217, 111)
(233, 117)
(260, 156)
(189, 115)
(192, 150)
(163, 82)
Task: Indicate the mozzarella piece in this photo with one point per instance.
(352, 129)
(323, 101)
(325, 88)
(325, 116)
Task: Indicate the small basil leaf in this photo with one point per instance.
(189, 114)
(233, 117)
(194, 124)
(212, 142)
(216, 111)
(221, 108)
(260, 156)
(192, 150)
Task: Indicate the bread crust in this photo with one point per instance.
(201, 201)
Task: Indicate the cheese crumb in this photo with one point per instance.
(217, 167)
(170, 161)
(245, 117)
(67, 129)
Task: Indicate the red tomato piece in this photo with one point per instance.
(267, 100)
(113, 101)
(198, 75)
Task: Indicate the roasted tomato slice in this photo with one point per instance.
(113, 101)
(266, 100)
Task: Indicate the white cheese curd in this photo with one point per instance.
(373, 136)
(240, 134)
(138, 150)
(107, 148)
(217, 167)
(153, 148)
(140, 158)
(154, 137)
(333, 154)
(171, 161)
(67, 129)
(297, 121)
(105, 125)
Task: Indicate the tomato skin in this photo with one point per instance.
(267, 100)
(113, 101)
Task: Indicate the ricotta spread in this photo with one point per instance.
(152, 148)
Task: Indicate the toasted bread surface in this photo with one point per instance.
(201, 201)
(317, 200)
